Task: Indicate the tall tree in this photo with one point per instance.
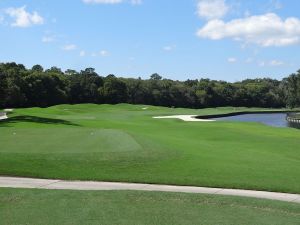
(114, 90)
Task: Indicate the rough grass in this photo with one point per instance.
(124, 143)
(49, 207)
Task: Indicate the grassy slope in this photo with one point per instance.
(65, 207)
(124, 143)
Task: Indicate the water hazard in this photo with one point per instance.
(270, 119)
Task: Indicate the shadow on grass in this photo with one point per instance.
(35, 119)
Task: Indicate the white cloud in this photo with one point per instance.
(102, 1)
(276, 63)
(274, 5)
(232, 60)
(48, 39)
(1, 19)
(136, 2)
(22, 18)
(104, 53)
(69, 47)
(249, 60)
(271, 63)
(262, 63)
(133, 2)
(82, 53)
(169, 48)
(264, 30)
(212, 9)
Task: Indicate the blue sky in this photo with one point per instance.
(179, 39)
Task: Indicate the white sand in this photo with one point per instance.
(187, 118)
(3, 116)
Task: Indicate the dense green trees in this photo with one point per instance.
(113, 90)
(21, 87)
(292, 89)
(83, 87)
(12, 85)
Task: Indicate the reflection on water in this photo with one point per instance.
(270, 119)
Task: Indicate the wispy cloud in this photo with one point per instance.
(82, 53)
(272, 63)
(94, 54)
(131, 58)
(232, 60)
(48, 39)
(104, 53)
(69, 47)
(136, 2)
(169, 48)
(112, 2)
(274, 5)
(262, 63)
(212, 9)
(102, 1)
(249, 60)
(1, 19)
(276, 63)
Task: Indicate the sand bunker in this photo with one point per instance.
(187, 118)
(3, 116)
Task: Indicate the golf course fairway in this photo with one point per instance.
(124, 143)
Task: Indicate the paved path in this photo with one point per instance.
(14, 182)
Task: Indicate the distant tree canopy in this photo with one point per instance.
(21, 87)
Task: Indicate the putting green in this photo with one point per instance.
(124, 143)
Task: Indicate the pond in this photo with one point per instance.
(270, 119)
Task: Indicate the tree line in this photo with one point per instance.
(22, 87)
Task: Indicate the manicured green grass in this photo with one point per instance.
(49, 207)
(124, 143)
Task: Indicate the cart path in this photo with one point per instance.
(15, 182)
